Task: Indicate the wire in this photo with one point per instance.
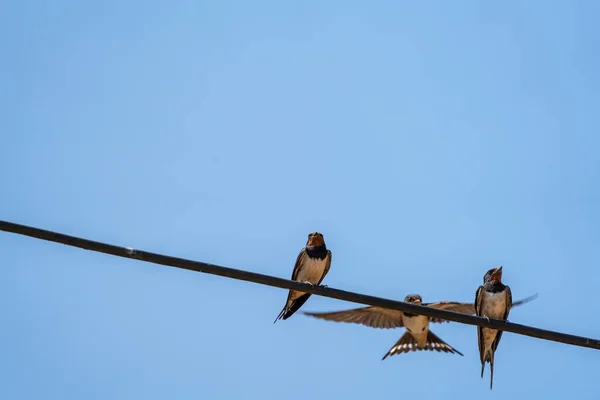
(268, 280)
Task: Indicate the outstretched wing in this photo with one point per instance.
(525, 300)
(463, 308)
(373, 317)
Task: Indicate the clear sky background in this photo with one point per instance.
(428, 141)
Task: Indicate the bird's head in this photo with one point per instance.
(315, 239)
(494, 275)
(413, 299)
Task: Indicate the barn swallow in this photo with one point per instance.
(312, 265)
(417, 335)
(492, 300)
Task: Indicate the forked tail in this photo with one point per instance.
(408, 343)
(289, 309)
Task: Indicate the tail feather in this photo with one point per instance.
(407, 343)
(491, 370)
(281, 314)
(437, 344)
(488, 357)
(289, 309)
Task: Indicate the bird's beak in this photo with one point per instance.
(497, 274)
(316, 240)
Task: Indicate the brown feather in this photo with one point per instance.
(480, 341)
(373, 317)
(463, 308)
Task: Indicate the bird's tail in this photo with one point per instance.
(408, 343)
(405, 344)
(437, 344)
(491, 370)
(281, 314)
(489, 357)
(291, 307)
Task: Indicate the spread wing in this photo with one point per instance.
(468, 308)
(463, 308)
(505, 316)
(525, 300)
(373, 317)
(328, 257)
(480, 342)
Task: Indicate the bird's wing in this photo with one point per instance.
(525, 300)
(285, 312)
(327, 266)
(299, 262)
(508, 304)
(480, 341)
(463, 308)
(374, 317)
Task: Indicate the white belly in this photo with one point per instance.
(494, 305)
(312, 270)
(417, 324)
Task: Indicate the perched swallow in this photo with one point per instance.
(417, 335)
(492, 300)
(312, 265)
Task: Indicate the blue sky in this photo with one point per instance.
(428, 142)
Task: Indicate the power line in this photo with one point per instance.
(268, 280)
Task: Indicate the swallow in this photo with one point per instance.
(312, 265)
(492, 300)
(417, 336)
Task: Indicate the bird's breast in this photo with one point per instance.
(493, 304)
(312, 270)
(416, 324)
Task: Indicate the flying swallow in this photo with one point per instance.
(492, 300)
(312, 265)
(417, 335)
